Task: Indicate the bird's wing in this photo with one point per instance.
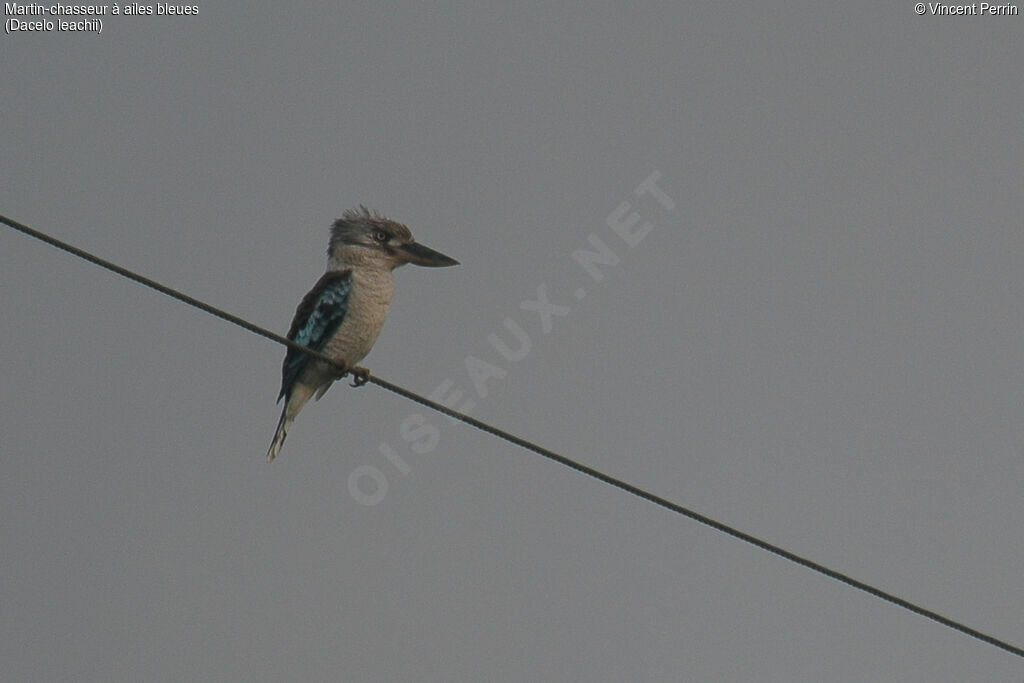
(316, 319)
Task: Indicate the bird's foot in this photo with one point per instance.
(340, 369)
(360, 375)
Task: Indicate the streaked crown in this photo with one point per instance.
(363, 227)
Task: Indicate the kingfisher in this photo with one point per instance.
(344, 312)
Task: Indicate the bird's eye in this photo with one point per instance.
(380, 236)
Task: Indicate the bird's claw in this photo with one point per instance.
(360, 376)
(341, 369)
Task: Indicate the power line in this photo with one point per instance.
(530, 446)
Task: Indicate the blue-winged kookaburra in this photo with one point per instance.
(343, 313)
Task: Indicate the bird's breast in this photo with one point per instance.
(367, 308)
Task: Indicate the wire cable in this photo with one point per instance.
(532, 447)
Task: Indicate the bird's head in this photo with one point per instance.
(362, 236)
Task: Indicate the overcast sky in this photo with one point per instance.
(809, 325)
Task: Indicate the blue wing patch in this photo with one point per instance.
(316, 320)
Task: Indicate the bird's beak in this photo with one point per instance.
(414, 252)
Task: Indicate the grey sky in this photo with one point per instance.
(820, 344)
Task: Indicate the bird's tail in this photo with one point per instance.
(283, 425)
(292, 405)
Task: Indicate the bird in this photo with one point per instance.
(342, 315)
